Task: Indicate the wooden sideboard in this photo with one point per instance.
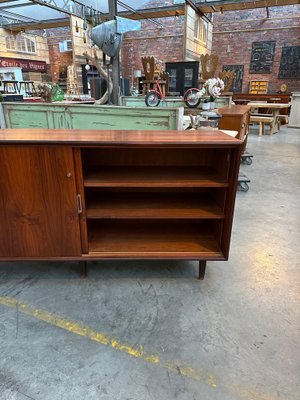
(237, 118)
(86, 195)
(283, 97)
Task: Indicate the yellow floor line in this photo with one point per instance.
(50, 318)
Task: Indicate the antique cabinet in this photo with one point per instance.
(182, 75)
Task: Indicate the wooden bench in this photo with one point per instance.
(262, 120)
(284, 119)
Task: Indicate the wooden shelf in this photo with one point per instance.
(152, 239)
(152, 205)
(154, 177)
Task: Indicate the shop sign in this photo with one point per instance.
(26, 65)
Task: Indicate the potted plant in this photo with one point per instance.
(211, 89)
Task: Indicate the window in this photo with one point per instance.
(30, 45)
(10, 42)
(20, 43)
(200, 29)
(65, 46)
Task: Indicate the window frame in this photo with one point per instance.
(200, 30)
(21, 44)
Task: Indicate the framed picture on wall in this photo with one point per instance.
(290, 63)
(262, 57)
(238, 77)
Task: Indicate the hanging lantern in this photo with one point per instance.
(76, 27)
(98, 19)
(84, 37)
(94, 22)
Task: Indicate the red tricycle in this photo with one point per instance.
(191, 97)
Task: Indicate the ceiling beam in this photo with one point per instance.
(157, 12)
(46, 24)
(7, 1)
(16, 5)
(234, 5)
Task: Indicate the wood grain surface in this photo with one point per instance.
(117, 137)
(38, 210)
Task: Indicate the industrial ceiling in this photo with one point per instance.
(43, 14)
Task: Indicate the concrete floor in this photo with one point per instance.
(233, 336)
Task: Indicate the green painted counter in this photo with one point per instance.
(78, 116)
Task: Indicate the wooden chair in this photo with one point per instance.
(227, 77)
(153, 71)
(209, 63)
(149, 68)
(164, 75)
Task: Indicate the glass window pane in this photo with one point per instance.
(10, 42)
(188, 77)
(172, 78)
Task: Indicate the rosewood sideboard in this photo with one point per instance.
(93, 195)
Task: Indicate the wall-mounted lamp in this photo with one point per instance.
(221, 10)
(176, 15)
(87, 67)
(268, 13)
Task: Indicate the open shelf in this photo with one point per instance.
(154, 176)
(258, 87)
(152, 205)
(156, 239)
(161, 202)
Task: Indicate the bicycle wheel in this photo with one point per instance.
(152, 99)
(191, 98)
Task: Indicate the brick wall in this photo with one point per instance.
(234, 32)
(55, 36)
(164, 43)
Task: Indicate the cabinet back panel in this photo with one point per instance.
(150, 157)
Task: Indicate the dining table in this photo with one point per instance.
(272, 108)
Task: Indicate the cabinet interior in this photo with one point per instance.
(147, 201)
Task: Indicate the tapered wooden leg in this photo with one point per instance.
(202, 266)
(261, 129)
(83, 269)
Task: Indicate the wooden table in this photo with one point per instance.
(274, 107)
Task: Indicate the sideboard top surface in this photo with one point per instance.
(117, 137)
